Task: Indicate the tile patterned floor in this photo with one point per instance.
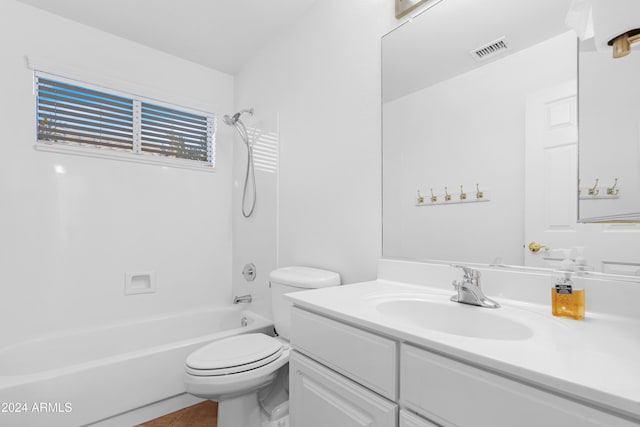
(203, 414)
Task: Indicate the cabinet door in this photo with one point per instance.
(320, 397)
(407, 419)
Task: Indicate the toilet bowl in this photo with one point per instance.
(248, 374)
(232, 372)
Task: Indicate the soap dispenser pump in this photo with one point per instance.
(566, 300)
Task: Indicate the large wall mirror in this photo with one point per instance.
(480, 139)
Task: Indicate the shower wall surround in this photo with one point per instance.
(317, 85)
(73, 226)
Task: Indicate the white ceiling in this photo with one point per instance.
(220, 34)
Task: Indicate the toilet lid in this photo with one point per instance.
(234, 351)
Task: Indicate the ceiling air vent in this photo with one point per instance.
(494, 48)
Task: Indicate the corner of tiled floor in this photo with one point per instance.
(203, 414)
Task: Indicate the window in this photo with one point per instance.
(76, 115)
(174, 133)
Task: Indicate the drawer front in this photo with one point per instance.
(366, 358)
(321, 398)
(407, 419)
(453, 393)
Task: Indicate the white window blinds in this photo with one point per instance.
(72, 114)
(175, 133)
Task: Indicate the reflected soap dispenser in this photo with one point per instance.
(566, 299)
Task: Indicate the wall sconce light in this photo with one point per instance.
(622, 43)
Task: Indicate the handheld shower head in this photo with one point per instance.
(246, 110)
(232, 120)
(242, 131)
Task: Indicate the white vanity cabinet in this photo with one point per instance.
(341, 375)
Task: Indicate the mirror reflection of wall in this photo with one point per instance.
(610, 116)
(450, 120)
(466, 130)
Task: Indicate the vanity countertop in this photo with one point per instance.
(594, 360)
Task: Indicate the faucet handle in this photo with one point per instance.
(469, 273)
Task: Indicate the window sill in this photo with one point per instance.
(112, 154)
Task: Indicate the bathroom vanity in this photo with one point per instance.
(397, 352)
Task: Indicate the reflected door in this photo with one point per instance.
(552, 192)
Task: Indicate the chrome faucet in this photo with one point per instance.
(242, 298)
(469, 291)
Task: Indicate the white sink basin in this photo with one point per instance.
(441, 315)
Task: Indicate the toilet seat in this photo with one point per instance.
(233, 355)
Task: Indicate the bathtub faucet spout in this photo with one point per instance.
(242, 298)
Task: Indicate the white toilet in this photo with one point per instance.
(248, 374)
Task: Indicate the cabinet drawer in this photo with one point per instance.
(454, 393)
(367, 358)
(320, 397)
(407, 419)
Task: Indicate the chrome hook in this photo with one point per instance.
(447, 196)
(420, 199)
(593, 191)
(434, 198)
(479, 194)
(613, 191)
(463, 195)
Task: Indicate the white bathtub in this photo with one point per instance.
(81, 377)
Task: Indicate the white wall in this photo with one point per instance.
(67, 239)
(320, 80)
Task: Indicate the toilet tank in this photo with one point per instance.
(293, 279)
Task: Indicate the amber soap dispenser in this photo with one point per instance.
(566, 300)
